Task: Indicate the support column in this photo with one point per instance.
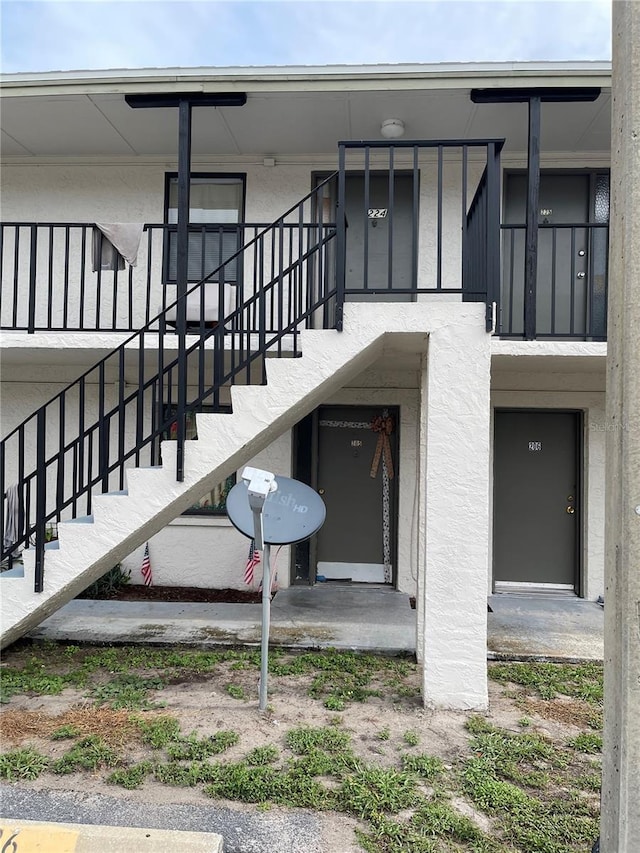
(533, 206)
(454, 592)
(620, 821)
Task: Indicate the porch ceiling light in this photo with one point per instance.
(392, 128)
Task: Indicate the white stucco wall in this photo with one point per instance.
(210, 552)
(123, 191)
(455, 527)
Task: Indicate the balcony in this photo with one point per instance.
(402, 221)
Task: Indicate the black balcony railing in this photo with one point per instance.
(419, 217)
(66, 277)
(116, 413)
(571, 284)
(412, 217)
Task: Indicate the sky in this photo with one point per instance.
(65, 35)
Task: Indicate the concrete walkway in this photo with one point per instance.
(346, 617)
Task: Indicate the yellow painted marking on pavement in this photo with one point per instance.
(36, 839)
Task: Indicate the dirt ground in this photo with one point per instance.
(203, 705)
(135, 592)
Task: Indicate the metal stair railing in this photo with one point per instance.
(115, 414)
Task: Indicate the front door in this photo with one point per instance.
(563, 304)
(357, 477)
(380, 237)
(536, 506)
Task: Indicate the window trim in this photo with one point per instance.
(214, 176)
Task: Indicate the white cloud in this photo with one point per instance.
(94, 34)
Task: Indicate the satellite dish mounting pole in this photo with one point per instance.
(260, 484)
(266, 624)
(296, 514)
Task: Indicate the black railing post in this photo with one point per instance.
(341, 240)
(41, 499)
(182, 274)
(492, 271)
(533, 203)
(31, 323)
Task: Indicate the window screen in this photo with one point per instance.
(215, 207)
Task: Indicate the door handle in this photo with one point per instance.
(571, 510)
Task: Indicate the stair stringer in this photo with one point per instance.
(124, 521)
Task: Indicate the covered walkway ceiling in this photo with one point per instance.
(293, 111)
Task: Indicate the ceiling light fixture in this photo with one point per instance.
(392, 128)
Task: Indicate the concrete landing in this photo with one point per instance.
(28, 836)
(345, 617)
(545, 626)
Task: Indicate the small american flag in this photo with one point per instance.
(252, 561)
(145, 569)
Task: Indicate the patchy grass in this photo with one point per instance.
(90, 753)
(22, 764)
(508, 782)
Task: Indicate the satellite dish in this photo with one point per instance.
(291, 514)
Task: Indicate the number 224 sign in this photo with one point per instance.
(377, 213)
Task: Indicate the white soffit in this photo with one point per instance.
(59, 126)
(291, 111)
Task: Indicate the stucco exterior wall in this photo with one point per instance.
(210, 552)
(122, 191)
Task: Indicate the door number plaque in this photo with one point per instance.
(535, 445)
(377, 213)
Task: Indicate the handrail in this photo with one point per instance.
(571, 288)
(132, 390)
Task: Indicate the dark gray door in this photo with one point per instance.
(380, 243)
(357, 540)
(563, 262)
(536, 508)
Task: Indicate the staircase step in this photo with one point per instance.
(81, 519)
(16, 572)
(54, 545)
(226, 442)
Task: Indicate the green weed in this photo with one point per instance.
(372, 790)
(193, 749)
(236, 692)
(87, 754)
(22, 764)
(158, 731)
(65, 733)
(127, 690)
(262, 755)
(589, 742)
(424, 765)
(131, 777)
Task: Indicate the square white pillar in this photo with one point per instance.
(453, 645)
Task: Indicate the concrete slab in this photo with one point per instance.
(375, 620)
(551, 627)
(338, 616)
(34, 837)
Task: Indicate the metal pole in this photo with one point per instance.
(533, 199)
(266, 622)
(182, 272)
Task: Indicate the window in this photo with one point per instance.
(216, 207)
(215, 501)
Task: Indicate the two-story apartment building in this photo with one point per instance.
(387, 281)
